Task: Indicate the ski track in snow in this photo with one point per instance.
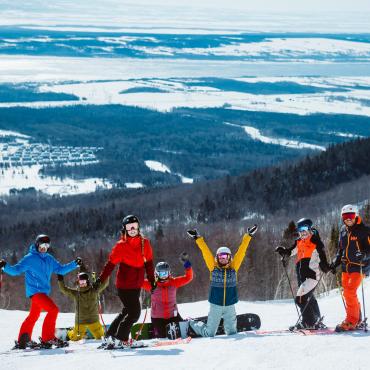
(160, 167)
(241, 351)
(255, 134)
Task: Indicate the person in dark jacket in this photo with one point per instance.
(311, 257)
(86, 301)
(133, 253)
(164, 308)
(38, 266)
(223, 292)
(354, 256)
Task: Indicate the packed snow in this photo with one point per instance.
(160, 167)
(241, 351)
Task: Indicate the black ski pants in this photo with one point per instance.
(121, 325)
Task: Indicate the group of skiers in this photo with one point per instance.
(133, 253)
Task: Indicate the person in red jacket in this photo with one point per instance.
(163, 304)
(133, 253)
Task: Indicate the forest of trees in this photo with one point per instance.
(88, 225)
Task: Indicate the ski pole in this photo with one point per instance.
(306, 305)
(363, 298)
(283, 261)
(142, 325)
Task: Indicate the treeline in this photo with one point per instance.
(89, 225)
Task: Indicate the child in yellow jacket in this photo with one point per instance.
(223, 294)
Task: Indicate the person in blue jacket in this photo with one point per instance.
(38, 266)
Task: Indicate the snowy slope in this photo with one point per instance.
(241, 351)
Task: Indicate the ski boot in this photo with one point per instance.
(25, 342)
(298, 326)
(345, 326)
(55, 342)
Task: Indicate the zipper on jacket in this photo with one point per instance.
(225, 288)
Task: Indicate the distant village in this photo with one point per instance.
(22, 153)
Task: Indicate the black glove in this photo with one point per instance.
(78, 261)
(60, 277)
(252, 230)
(154, 286)
(2, 264)
(184, 258)
(333, 268)
(96, 284)
(359, 256)
(193, 234)
(324, 267)
(283, 251)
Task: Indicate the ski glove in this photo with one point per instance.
(96, 283)
(60, 277)
(78, 261)
(2, 264)
(324, 267)
(283, 251)
(193, 234)
(252, 230)
(359, 256)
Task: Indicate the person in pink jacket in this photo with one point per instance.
(163, 303)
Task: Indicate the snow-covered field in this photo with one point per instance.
(241, 351)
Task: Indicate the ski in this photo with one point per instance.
(327, 331)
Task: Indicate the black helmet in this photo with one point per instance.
(162, 270)
(41, 239)
(83, 276)
(304, 224)
(129, 220)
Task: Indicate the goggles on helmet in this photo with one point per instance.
(223, 255)
(44, 246)
(348, 216)
(303, 228)
(163, 274)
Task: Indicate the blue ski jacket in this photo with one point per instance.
(38, 268)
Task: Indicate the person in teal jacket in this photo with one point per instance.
(38, 266)
(223, 292)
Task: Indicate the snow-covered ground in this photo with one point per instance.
(241, 351)
(160, 167)
(177, 92)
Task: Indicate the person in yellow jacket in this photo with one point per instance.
(223, 293)
(86, 298)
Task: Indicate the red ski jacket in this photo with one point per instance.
(164, 305)
(135, 257)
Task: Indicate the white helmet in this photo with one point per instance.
(223, 250)
(350, 208)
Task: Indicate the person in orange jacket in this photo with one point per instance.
(133, 253)
(163, 303)
(354, 255)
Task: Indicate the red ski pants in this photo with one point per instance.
(350, 282)
(41, 302)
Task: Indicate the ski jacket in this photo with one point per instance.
(86, 301)
(163, 304)
(310, 253)
(351, 240)
(135, 257)
(38, 268)
(223, 288)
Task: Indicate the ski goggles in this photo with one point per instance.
(303, 228)
(133, 226)
(223, 256)
(44, 246)
(348, 216)
(163, 274)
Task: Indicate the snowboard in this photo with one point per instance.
(245, 322)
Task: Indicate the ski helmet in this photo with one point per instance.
(83, 276)
(42, 239)
(304, 224)
(162, 270)
(349, 208)
(129, 219)
(223, 250)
